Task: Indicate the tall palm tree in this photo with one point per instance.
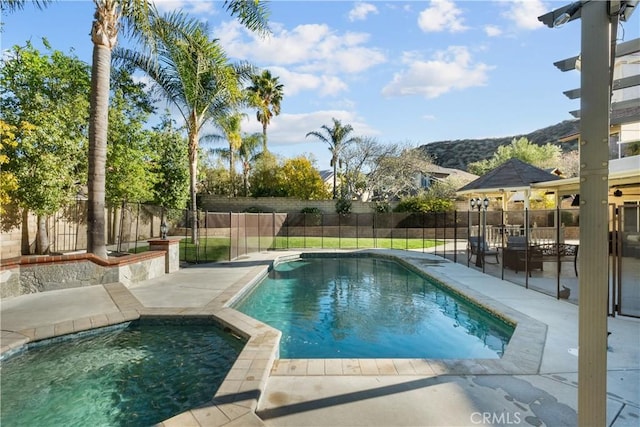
(104, 35)
(230, 126)
(192, 71)
(337, 137)
(247, 152)
(265, 93)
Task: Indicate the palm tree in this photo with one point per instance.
(336, 137)
(247, 152)
(230, 126)
(265, 93)
(192, 71)
(104, 35)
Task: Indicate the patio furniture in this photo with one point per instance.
(515, 254)
(480, 248)
(557, 252)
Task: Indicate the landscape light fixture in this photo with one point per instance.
(482, 228)
(163, 230)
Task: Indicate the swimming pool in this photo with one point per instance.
(370, 307)
(135, 375)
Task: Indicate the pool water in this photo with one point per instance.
(368, 307)
(137, 375)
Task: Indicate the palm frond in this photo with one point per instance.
(8, 6)
(253, 14)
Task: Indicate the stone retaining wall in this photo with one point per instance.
(25, 275)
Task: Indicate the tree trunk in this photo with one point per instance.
(335, 176)
(25, 245)
(231, 172)
(264, 137)
(104, 36)
(42, 237)
(193, 181)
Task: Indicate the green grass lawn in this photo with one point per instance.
(213, 249)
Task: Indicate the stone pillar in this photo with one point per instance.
(171, 247)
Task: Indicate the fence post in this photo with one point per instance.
(526, 248)
(468, 234)
(357, 229)
(455, 236)
(435, 233)
(186, 233)
(558, 252)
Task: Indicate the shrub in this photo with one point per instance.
(343, 206)
(257, 209)
(422, 204)
(382, 207)
(313, 216)
(310, 210)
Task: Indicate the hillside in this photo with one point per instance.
(459, 153)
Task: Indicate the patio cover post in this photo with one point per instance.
(594, 172)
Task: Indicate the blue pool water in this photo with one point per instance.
(370, 307)
(134, 376)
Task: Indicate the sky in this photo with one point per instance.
(409, 72)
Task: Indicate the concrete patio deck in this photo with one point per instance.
(537, 386)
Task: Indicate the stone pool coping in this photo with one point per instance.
(237, 399)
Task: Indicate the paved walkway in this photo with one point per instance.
(528, 387)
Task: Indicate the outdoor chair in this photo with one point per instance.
(480, 247)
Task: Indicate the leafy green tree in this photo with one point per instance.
(337, 137)
(265, 93)
(266, 177)
(104, 35)
(8, 181)
(45, 104)
(171, 165)
(302, 181)
(215, 177)
(542, 156)
(129, 177)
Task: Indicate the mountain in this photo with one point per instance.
(459, 153)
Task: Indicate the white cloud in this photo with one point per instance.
(441, 15)
(492, 30)
(295, 82)
(309, 48)
(429, 117)
(448, 70)
(287, 129)
(307, 57)
(524, 13)
(191, 6)
(361, 10)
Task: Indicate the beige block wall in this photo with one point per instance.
(276, 204)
